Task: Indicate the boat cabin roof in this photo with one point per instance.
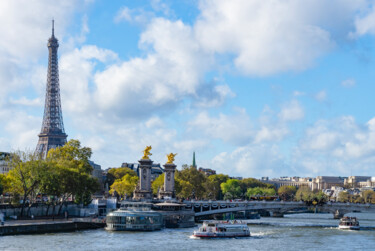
(231, 223)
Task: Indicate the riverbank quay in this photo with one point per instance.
(20, 227)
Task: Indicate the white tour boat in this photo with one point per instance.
(222, 229)
(349, 223)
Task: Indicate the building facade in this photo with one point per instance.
(288, 181)
(4, 167)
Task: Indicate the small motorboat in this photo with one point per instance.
(349, 223)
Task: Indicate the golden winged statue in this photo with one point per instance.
(171, 158)
(146, 152)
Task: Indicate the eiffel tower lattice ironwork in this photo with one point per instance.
(52, 134)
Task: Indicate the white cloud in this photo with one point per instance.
(365, 23)
(22, 129)
(298, 93)
(236, 128)
(348, 83)
(271, 133)
(336, 146)
(291, 111)
(154, 122)
(123, 14)
(212, 95)
(265, 37)
(26, 102)
(160, 6)
(251, 161)
(76, 70)
(321, 96)
(172, 70)
(136, 16)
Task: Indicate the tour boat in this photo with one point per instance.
(222, 229)
(349, 223)
(134, 216)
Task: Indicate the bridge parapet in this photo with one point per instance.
(202, 207)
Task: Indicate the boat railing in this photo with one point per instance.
(227, 222)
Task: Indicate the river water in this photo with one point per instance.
(293, 232)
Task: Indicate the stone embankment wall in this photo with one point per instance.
(72, 209)
(40, 228)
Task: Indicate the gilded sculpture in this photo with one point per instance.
(146, 152)
(171, 158)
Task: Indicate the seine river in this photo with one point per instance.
(294, 232)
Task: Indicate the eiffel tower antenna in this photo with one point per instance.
(53, 28)
(52, 134)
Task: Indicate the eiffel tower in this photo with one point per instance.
(52, 134)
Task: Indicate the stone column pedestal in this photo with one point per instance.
(168, 190)
(143, 189)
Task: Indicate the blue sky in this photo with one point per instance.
(255, 88)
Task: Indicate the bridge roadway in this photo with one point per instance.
(204, 208)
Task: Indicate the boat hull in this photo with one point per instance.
(349, 227)
(220, 235)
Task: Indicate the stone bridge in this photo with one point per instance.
(206, 208)
(339, 209)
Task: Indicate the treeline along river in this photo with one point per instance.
(293, 232)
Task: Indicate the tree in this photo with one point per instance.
(231, 189)
(24, 175)
(195, 178)
(260, 191)
(2, 183)
(255, 191)
(305, 194)
(212, 186)
(70, 165)
(184, 189)
(124, 186)
(157, 184)
(117, 173)
(320, 197)
(343, 196)
(368, 196)
(287, 192)
(87, 185)
(251, 183)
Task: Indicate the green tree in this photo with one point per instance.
(2, 183)
(212, 186)
(287, 192)
(231, 189)
(253, 192)
(251, 183)
(368, 196)
(117, 173)
(125, 186)
(320, 197)
(184, 189)
(157, 184)
(70, 165)
(87, 185)
(305, 194)
(343, 196)
(195, 178)
(359, 199)
(260, 191)
(24, 175)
